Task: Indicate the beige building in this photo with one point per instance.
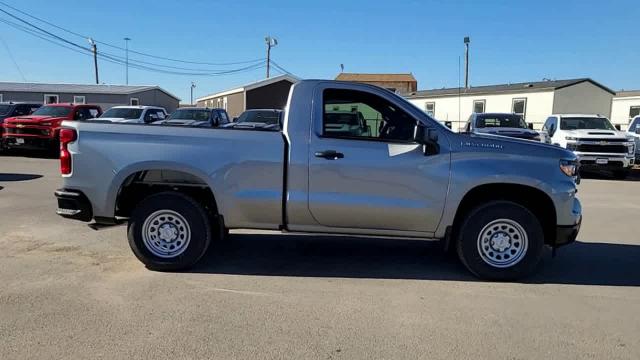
(624, 107)
(398, 83)
(534, 101)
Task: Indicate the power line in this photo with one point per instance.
(283, 70)
(131, 51)
(6, 46)
(45, 35)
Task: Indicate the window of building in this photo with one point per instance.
(479, 105)
(134, 101)
(430, 109)
(50, 99)
(79, 99)
(633, 111)
(519, 106)
(376, 118)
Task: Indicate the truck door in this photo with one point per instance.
(371, 174)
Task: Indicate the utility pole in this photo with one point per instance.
(271, 42)
(94, 48)
(466, 62)
(193, 86)
(126, 45)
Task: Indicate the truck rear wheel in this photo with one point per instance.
(169, 231)
(500, 240)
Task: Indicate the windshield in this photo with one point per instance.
(190, 114)
(504, 121)
(122, 113)
(591, 123)
(265, 117)
(53, 111)
(4, 109)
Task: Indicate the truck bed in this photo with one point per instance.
(244, 168)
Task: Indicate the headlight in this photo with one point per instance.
(569, 167)
(571, 138)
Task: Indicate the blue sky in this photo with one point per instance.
(512, 41)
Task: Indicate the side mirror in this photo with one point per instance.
(448, 124)
(530, 126)
(427, 137)
(235, 119)
(617, 126)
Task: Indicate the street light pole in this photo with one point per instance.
(271, 42)
(94, 48)
(126, 44)
(193, 86)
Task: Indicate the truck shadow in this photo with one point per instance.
(18, 177)
(350, 257)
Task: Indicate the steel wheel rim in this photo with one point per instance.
(502, 243)
(166, 234)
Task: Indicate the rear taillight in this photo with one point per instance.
(66, 136)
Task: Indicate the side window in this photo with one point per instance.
(374, 119)
(430, 109)
(519, 106)
(633, 112)
(161, 114)
(224, 118)
(93, 113)
(479, 105)
(150, 116)
(81, 114)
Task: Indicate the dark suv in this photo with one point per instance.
(197, 116)
(504, 124)
(11, 109)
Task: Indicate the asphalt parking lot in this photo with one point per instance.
(67, 291)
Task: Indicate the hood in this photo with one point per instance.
(511, 132)
(595, 134)
(33, 119)
(481, 143)
(181, 122)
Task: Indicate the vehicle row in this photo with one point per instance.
(34, 126)
(597, 143)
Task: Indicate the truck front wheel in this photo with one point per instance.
(500, 240)
(169, 231)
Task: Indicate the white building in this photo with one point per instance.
(535, 101)
(625, 106)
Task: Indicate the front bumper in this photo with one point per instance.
(605, 161)
(567, 234)
(29, 142)
(73, 204)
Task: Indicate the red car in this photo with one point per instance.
(40, 130)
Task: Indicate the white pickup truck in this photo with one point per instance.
(498, 201)
(596, 142)
(133, 114)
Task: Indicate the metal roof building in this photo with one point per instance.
(104, 95)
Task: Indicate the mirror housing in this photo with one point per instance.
(530, 126)
(617, 126)
(427, 137)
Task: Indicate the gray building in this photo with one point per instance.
(106, 96)
(271, 93)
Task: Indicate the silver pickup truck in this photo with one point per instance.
(497, 201)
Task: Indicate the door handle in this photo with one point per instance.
(329, 154)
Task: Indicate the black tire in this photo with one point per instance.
(198, 225)
(468, 242)
(621, 174)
